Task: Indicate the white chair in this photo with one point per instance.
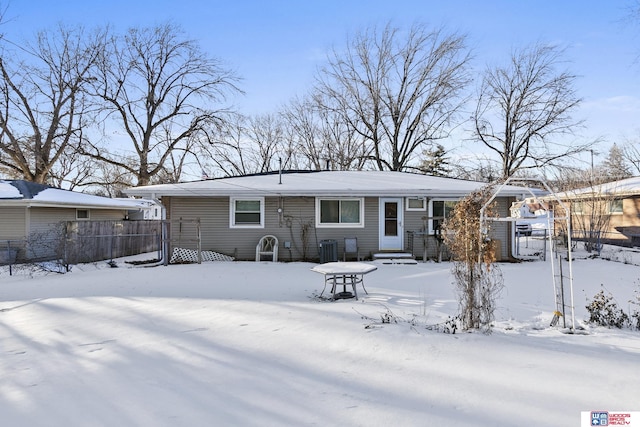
(268, 245)
(351, 248)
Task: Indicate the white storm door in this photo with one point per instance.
(391, 228)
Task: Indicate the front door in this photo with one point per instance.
(391, 224)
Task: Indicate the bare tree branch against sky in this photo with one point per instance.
(277, 46)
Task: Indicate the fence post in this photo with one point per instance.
(165, 240)
(199, 241)
(65, 249)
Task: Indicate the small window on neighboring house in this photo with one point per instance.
(440, 209)
(82, 214)
(247, 213)
(577, 207)
(416, 204)
(340, 212)
(615, 206)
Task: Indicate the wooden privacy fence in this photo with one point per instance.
(89, 241)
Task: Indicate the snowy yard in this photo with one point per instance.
(250, 344)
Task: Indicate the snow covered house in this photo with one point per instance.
(611, 211)
(307, 211)
(30, 213)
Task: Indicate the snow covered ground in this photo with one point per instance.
(251, 344)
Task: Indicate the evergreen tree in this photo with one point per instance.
(614, 166)
(436, 162)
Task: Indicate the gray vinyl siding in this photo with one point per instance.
(294, 224)
(503, 231)
(43, 220)
(46, 220)
(13, 223)
(107, 214)
(414, 221)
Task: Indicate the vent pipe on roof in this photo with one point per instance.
(327, 167)
(279, 170)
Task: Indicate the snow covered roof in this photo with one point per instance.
(24, 193)
(322, 183)
(623, 187)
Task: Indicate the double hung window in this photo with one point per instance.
(247, 213)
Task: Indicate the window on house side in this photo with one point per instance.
(440, 209)
(247, 213)
(339, 213)
(577, 207)
(615, 206)
(82, 213)
(416, 204)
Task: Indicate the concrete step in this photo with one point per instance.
(394, 258)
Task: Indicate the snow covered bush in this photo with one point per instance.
(635, 323)
(604, 311)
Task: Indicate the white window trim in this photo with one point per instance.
(431, 230)
(422, 209)
(232, 212)
(359, 224)
(83, 219)
(621, 211)
(575, 204)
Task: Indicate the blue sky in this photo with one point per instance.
(276, 46)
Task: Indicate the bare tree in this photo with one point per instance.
(108, 180)
(631, 153)
(321, 138)
(591, 203)
(159, 88)
(525, 107)
(246, 145)
(399, 91)
(43, 104)
(227, 150)
(479, 168)
(265, 134)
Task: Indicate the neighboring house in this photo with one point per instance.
(153, 211)
(534, 216)
(28, 210)
(304, 209)
(608, 212)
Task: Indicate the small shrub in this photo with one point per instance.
(388, 317)
(604, 311)
(635, 323)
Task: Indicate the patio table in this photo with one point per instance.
(344, 273)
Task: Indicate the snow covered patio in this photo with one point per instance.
(251, 344)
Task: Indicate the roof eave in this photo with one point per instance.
(315, 193)
(48, 204)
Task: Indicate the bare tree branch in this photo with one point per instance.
(525, 107)
(399, 93)
(43, 103)
(159, 87)
(321, 138)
